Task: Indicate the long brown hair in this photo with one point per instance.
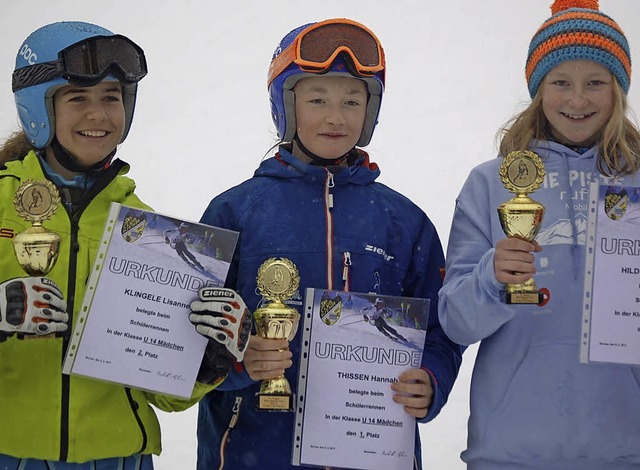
(14, 147)
(618, 144)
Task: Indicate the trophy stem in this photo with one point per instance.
(525, 293)
(275, 395)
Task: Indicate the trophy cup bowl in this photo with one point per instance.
(522, 172)
(276, 321)
(520, 217)
(277, 280)
(36, 249)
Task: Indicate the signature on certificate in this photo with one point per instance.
(394, 453)
(170, 375)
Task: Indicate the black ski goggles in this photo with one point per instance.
(315, 49)
(87, 63)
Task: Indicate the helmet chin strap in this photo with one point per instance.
(70, 162)
(319, 161)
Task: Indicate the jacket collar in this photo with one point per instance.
(113, 184)
(554, 150)
(285, 165)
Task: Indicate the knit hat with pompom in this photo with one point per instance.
(577, 30)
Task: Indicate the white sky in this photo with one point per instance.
(202, 124)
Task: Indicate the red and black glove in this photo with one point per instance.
(31, 306)
(222, 317)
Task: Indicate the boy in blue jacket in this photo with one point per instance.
(316, 202)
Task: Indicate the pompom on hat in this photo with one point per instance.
(577, 30)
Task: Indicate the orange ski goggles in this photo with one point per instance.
(316, 47)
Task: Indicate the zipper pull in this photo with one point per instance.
(346, 262)
(236, 412)
(236, 405)
(66, 199)
(330, 184)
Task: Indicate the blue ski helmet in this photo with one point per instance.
(47, 60)
(339, 47)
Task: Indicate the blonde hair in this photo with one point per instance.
(618, 143)
(14, 147)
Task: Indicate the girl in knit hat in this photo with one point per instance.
(534, 405)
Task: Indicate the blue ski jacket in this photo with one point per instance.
(534, 405)
(343, 231)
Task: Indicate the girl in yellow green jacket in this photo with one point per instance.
(75, 89)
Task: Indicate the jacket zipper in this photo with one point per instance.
(232, 424)
(74, 211)
(328, 205)
(346, 273)
(135, 406)
(74, 217)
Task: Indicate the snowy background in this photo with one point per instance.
(202, 124)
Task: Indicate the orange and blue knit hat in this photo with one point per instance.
(577, 30)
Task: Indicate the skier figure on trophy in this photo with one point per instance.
(374, 314)
(523, 172)
(177, 238)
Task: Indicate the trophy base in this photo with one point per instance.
(270, 402)
(516, 298)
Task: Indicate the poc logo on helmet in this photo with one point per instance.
(28, 54)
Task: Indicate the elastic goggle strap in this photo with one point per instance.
(87, 63)
(315, 49)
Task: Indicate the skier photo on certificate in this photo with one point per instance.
(375, 315)
(177, 238)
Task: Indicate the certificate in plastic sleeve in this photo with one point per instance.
(133, 326)
(354, 347)
(611, 304)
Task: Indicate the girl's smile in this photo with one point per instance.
(577, 100)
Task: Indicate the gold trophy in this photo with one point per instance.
(522, 172)
(278, 280)
(36, 248)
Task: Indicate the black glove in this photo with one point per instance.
(216, 363)
(31, 306)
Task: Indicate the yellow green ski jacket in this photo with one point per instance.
(43, 413)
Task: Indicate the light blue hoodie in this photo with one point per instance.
(533, 404)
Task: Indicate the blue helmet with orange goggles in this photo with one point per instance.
(337, 46)
(73, 52)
